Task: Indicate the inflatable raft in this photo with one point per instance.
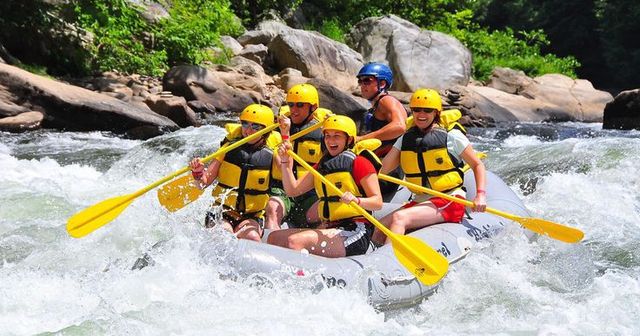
(378, 274)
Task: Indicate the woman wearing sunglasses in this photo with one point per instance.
(244, 176)
(431, 156)
(343, 231)
(303, 104)
(386, 119)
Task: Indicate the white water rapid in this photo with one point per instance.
(50, 283)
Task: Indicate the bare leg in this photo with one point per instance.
(226, 226)
(327, 242)
(418, 216)
(312, 214)
(400, 221)
(274, 213)
(249, 229)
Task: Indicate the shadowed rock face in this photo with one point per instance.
(197, 83)
(73, 108)
(623, 112)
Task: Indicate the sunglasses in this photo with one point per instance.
(298, 104)
(255, 127)
(422, 109)
(365, 80)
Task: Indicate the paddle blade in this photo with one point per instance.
(421, 260)
(551, 229)
(178, 193)
(94, 217)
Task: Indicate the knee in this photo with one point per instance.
(398, 219)
(272, 206)
(253, 235)
(294, 243)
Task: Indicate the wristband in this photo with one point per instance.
(358, 200)
(284, 162)
(285, 137)
(480, 191)
(197, 174)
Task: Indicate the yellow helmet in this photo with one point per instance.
(258, 114)
(341, 123)
(303, 93)
(426, 98)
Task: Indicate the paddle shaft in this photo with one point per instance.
(335, 189)
(385, 177)
(425, 263)
(171, 176)
(554, 230)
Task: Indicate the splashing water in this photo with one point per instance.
(570, 173)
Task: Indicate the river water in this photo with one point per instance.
(570, 173)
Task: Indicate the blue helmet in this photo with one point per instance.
(379, 71)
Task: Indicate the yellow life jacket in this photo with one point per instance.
(425, 161)
(244, 179)
(338, 170)
(308, 147)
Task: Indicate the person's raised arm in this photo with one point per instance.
(390, 161)
(292, 186)
(396, 116)
(203, 176)
(373, 199)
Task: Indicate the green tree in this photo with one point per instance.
(620, 25)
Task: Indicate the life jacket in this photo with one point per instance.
(425, 161)
(337, 170)
(244, 178)
(309, 146)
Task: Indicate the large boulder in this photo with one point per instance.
(623, 112)
(76, 109)
(338, 101)
(26, 121)
(198, 83)
(418, 58)
(174, 108)
(550, 97)
(316, 56)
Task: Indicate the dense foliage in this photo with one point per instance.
(595, 39)
(519, 50)
(601, 34)
(113, 34)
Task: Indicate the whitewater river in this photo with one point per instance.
(575, 174)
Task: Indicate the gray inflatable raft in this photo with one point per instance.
(378, 274)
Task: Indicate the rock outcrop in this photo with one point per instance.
(419, 58)
(73, 108)
(623, 112)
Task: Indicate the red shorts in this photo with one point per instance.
(451, 211)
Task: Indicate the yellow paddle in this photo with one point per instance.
(544, 227)
(421, 260)
(97, 215)
(176, 194)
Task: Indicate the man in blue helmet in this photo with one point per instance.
(386, 119)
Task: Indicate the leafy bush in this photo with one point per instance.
(332, 29)
(195, 26)
(251, 11)
(504, 48)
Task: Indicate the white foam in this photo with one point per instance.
(521, 141)
(52, 283)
